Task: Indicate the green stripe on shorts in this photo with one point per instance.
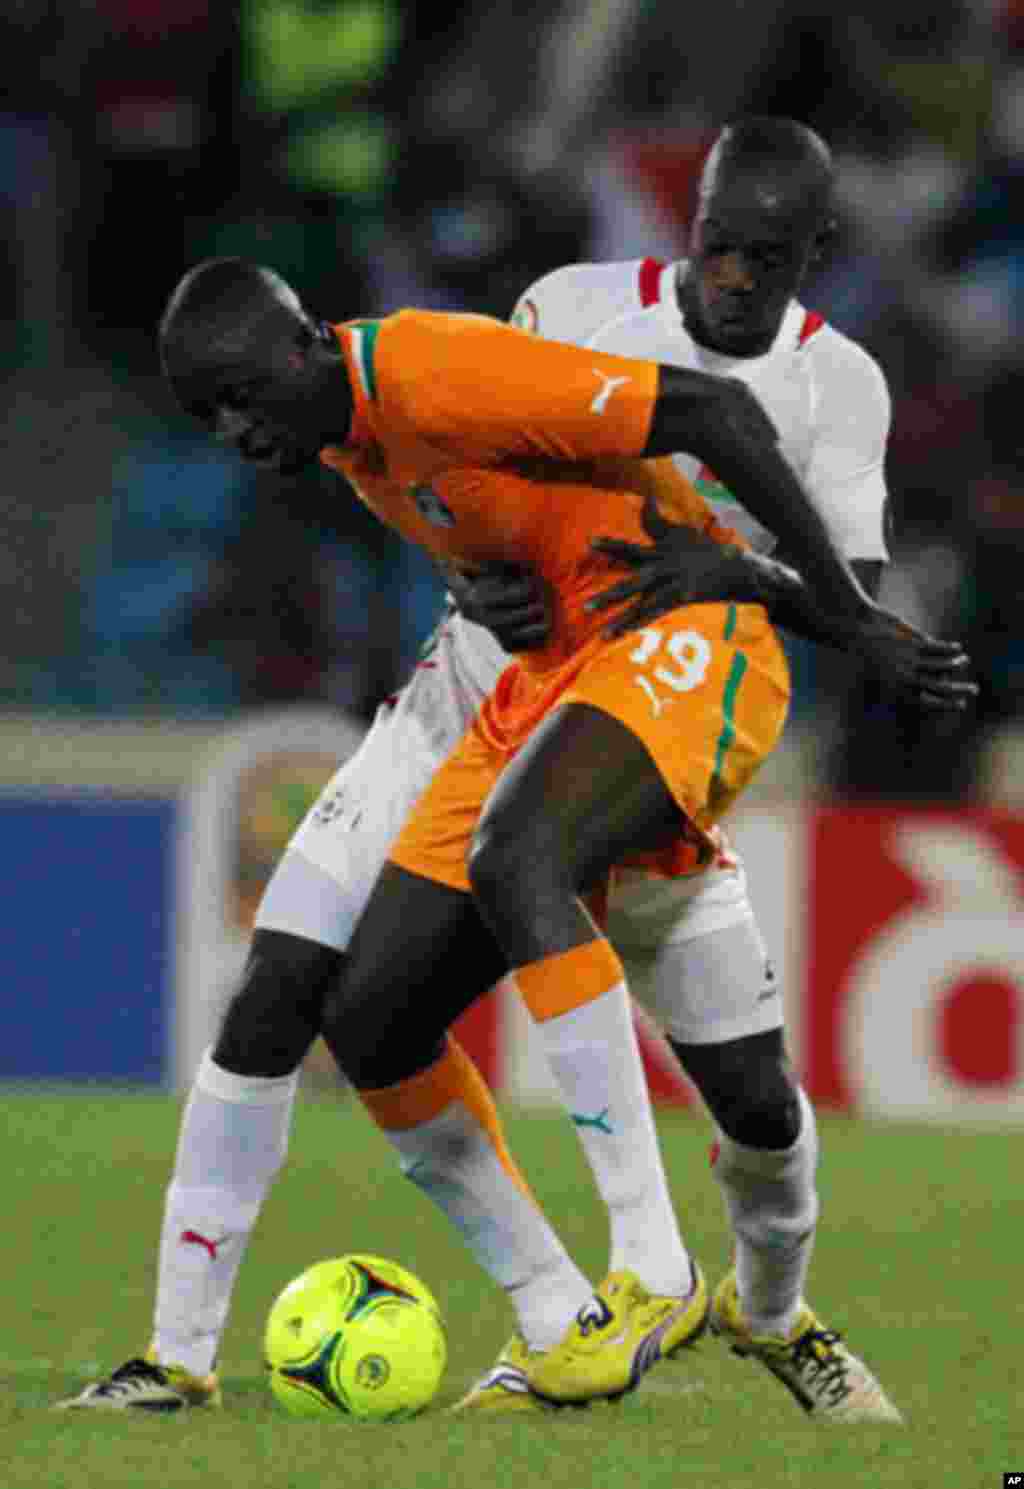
(728, 734)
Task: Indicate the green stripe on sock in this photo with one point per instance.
(730, 624)
(728, 734)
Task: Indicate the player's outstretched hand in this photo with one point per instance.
(919, 668)
(510, 600)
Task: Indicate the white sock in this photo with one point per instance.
(233, 1140)
(595, 1058)
(772, 1202)
(452, 1159)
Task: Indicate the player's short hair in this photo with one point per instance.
(220, 327)
(783, 150)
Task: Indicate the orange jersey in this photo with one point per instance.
(483, 443)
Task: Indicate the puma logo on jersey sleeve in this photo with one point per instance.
(600, 400)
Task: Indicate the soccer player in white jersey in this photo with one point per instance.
(732, 310)
(692, 946)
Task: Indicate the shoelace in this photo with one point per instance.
(822, 1366)
(131, 1376)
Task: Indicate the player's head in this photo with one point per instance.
(764, 207)
(243, 355)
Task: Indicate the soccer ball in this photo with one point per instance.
(356, 1335)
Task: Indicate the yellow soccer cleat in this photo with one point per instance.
(143, 1385)
(813, 1363)
(616, 1338)
(505, 1388)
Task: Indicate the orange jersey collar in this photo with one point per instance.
(355, 339)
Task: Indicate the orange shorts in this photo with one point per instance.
(705, 690)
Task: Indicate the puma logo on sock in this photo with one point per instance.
(193, 1238)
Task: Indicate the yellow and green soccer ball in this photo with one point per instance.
(355, 1336)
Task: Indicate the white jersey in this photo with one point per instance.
(826, 396)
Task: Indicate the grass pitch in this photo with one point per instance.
(918, 1261)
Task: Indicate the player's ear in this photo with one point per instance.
(823, 239)
(321, 342)
(313, 341)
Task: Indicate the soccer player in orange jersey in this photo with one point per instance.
(484, 444)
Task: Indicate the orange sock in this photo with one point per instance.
(558, 984)
(425, 1095)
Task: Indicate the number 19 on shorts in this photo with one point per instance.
(678, 661)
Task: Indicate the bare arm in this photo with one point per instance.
(791, 608)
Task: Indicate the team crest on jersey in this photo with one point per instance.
(525, 317)
(712, 489)
(431, 506)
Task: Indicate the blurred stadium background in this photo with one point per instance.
(188, 648)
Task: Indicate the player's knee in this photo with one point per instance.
(376, 1037)
(391, 1064)
(275, 1013)
(494, 862)
(749, 1088)
(375, 1046)
(768, 1116)
(512, 861)
(349, 1036)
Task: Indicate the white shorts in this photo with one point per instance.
(694, 956)
(692, 949)
(323, 880)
